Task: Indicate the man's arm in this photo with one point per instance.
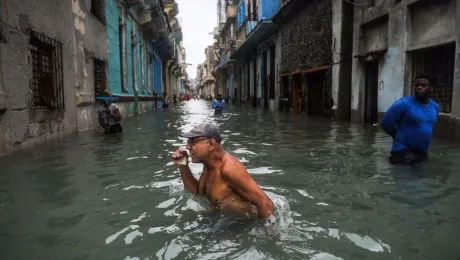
(190, 183)
(115, 114)
(239, 180)
(102, 123)
(392, 117)
(202, 182)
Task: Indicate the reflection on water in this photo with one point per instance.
(336, 196)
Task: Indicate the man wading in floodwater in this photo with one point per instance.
(410, 121)
(224, 180)
(218, 104)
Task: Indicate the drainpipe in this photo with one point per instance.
(3, 98)
(134, 68)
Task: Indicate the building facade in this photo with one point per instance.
(38, 84)
(54, 66)
(290, 55)
(395, 42)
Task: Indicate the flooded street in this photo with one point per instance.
(91, 196)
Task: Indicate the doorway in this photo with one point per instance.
(265, 80)
(254, 73)
(315, 87)
(371, 92)
(296, 92)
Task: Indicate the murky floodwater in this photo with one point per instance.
(103, 197)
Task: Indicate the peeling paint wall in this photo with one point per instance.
(21, 125)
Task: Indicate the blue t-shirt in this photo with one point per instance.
(215, 104)
(411, 124)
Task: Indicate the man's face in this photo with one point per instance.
(422, 88)
(200, 148)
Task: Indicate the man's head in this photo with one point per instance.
(219, 97)
(203, 140)
(423, 86)
(107, 102)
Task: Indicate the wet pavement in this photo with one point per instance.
(91, 196)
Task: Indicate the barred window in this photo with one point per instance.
(100, 80)
(47, 76)
(438, 63)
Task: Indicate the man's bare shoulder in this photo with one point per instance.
(231, 165)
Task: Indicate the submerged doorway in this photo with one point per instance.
(315, 88)
(296, 92)
(371, 92)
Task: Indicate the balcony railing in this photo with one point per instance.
(241, 15)
(248, 22)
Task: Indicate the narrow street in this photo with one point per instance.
(91, 196)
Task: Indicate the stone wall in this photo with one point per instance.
(306, 37)
(21, 125)
(90, 44)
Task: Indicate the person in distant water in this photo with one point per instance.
(165, 101)
(218, 104)
(174, 98)
(224, 181)
(410, 121)
(109, 116)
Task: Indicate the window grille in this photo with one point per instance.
(438, 63)
(98, 9)
(100, 80)
(47, 75)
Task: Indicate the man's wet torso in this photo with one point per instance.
(223, 198)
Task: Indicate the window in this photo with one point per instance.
(98, 9)
(438, 63)
(100, 82)
(47, 76)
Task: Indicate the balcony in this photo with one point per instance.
(216, 33)
(250, 35)
(254, 28)
(231, 13)
(151, 19)
(130, 3)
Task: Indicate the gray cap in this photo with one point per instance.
(207, 130)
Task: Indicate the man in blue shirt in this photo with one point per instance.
(410, 121)
(218, 104)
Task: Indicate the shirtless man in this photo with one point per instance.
(224, 181)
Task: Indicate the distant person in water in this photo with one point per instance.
(224, 181)
(109, 116)
(218, 104)
(410, 122)
(165, 101)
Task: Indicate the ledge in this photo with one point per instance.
(431, 43)
(122, 99)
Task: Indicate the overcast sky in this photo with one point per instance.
(198, 19)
